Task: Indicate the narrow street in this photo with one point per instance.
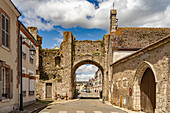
(88, 103)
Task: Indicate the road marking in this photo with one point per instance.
(114, 112)
(80, 112)
(97, 112)
(44, 112)
(62, 112)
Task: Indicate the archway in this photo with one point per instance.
(84, 62)
(144, 88)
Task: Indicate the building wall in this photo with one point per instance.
(88, 47)
(127, 73)
(98, 81)
(29, 72)
(10, 56)
(120, 54)
(72, 54)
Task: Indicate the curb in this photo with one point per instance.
(123, 109)
(37, 109)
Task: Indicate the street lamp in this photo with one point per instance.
(20, 68)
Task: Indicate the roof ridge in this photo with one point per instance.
(145, 27)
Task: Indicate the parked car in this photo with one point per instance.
(87, 91)
(83, 90)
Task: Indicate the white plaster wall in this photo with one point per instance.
(120, 54)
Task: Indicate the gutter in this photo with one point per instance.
(18, 56)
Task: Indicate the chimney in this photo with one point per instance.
(113, 20)
(33, 31)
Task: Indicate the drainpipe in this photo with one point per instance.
(20, 65)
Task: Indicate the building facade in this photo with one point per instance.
(98, 81)
(139, 68)
(8, 56)
(28, 66)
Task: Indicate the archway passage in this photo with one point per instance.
(92, 86)
(148, 92)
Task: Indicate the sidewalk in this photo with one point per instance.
(35, 107)
(123, 109)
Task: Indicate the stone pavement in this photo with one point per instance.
(30, 108)
(123, 109)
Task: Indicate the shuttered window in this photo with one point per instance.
(6, 83)
(5, 31)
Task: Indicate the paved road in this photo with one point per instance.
(90, 95)
(84, 105)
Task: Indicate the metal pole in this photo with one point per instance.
(20, 69)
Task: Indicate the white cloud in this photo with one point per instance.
(53, 46)
(90, 69)
(84, 77)
(59, 40)
(72, 13)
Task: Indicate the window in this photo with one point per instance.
(6, 83)
(31, 85)
(57, 61)
(23, 50)
(24, 86)
(5, 31)
(31, 53)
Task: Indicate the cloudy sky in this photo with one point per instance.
(89, 19)
(85, 72)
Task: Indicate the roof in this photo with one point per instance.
(56, 47)
(28, 34)
(13, 7)
(136, 37)
(154, 45)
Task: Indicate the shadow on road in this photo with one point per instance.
(89, 97)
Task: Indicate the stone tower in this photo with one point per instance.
(67, 63)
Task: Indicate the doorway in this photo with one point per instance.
(148, 92)
(48, 90)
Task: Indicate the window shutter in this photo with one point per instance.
(11, 83)
(0, 84)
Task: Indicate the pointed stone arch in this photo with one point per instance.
(137, 83)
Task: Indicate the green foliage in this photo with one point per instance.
(55, 78)
(102, 43)
(101, 54)
(73, 53)
(96, 53)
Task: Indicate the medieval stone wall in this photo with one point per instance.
(89, 47)
(58, 66)
(127, 73)
(88, 51)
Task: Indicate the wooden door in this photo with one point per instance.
(48, 90)
(148, 92)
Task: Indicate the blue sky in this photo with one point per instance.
(53, 37)
(89, 19)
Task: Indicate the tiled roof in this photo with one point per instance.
(133, 37)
